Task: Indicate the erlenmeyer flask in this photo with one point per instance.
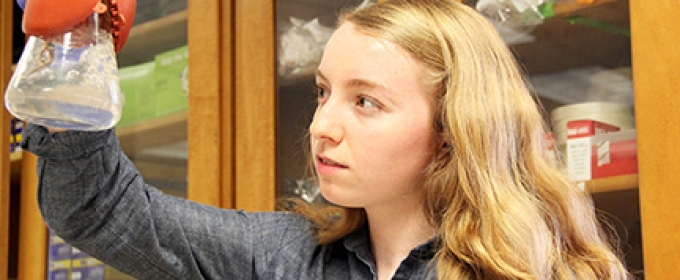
(68, 80)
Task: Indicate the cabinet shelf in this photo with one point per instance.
(566, 8)
(611, 184)
(137, 138)
(154, 37)
(569, 46)
(15, 156)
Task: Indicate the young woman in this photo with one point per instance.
(426, 142)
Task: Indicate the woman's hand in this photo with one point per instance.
(55, 129)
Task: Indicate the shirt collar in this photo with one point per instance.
(359, 243)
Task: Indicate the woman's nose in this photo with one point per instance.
(327, 123)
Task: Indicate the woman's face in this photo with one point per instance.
(372, 133)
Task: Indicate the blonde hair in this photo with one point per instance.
(503, 208)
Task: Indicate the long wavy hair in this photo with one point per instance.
(503, 208)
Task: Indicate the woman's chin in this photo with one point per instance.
(337, 197)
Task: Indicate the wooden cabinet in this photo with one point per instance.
(232, 120)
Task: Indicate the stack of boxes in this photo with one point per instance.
(68, 263)
(16, 126)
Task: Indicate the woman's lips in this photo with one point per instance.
(327, 166)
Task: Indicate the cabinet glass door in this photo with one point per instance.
(578, 59)
(153, 76)
(303, 27)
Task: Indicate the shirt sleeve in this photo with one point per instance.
(93, 197)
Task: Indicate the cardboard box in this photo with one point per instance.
(58, 259)
(16, 126)
(139, 88)
(171, 76)
(549, 145)
(579, 148)
(66, 262)
(614, 154)
(156, 88)
(84, 267)
(597, 150)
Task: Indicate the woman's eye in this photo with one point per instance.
(321, 93)
(366, 102)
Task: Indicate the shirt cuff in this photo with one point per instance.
(65, 145)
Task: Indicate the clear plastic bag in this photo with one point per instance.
(301, 43)
(512, 12)
(514, 19)
(301, 46)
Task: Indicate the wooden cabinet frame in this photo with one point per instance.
(656, 83)
(232, 104)
(210, 170)
(255, 105)
(6, 8)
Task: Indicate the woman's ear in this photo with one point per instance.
(443, 139)
(444, 145)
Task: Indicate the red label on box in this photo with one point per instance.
(582, 128)
(621, 158)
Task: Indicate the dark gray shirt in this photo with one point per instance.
(92, 196)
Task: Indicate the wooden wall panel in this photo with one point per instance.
(5, 73)
(255, 104)
(32, 230)
(209, 179)
(656, 58)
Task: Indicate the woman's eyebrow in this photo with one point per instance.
(319, 74)
(355, 82)
(363, 83)
(359, 83)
